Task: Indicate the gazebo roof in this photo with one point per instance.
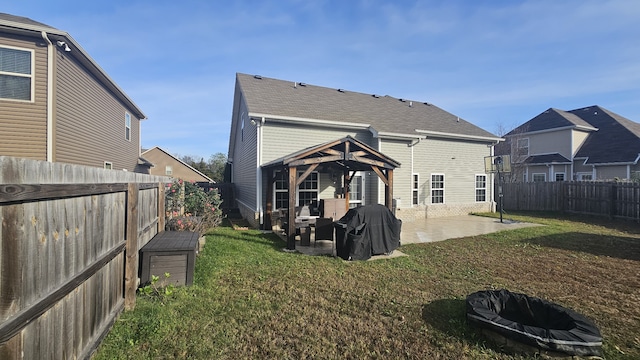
(346, 153)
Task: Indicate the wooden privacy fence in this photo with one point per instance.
(615, 200)
(69, 245)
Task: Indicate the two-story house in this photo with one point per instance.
(590, 143)
(58, 105)
(165, 164)
(363, 148)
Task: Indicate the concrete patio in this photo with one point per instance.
(427, 230)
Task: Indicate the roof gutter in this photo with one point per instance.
(50, 69)
(295, 119)
(571, 127)
(437, 134)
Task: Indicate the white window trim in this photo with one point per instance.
(581, 176)
(32, 76)
(431, 189)
(415, 189)
(564, 176)
(168, 170)
(108, 165)
(475, 185)
(127, 126)
(533, 176)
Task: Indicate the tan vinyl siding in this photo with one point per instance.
(551, 142)
(579, 137)
(161, 160)
(280, 139)
(459, 161)
(611, 172)
(90, 121)
(24, 124)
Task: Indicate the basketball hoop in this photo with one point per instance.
(497, 164)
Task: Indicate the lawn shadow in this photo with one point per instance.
(267, 239)
(446, 315)
(601, 245)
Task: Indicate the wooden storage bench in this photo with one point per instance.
(172, 252)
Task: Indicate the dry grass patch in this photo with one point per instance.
(252, 300)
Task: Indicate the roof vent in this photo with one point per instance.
(341, 90)
(410, 103)
(302, 84)
(257, 77)
(403, 100)
(375, 96)
(426, 103)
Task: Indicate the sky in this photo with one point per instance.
(494, 63)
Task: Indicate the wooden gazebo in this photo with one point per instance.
(346, 155)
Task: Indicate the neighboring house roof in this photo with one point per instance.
(165, 153)
(547, 159)
(25, 26)
(552, 119)
(383, 115)
(616, 141)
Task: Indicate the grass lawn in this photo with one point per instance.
(251, 300)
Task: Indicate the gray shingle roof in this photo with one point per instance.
(547, 159)
(551, 119)
(617, 139)
(385, 114)
(23, 20)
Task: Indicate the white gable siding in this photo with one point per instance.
(281, 139)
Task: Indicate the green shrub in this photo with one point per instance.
(190, 208)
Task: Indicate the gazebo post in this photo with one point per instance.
(291, 227)
(388, 190)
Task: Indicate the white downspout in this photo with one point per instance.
(50, 70)
(259, 171)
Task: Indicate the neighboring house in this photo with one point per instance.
(58, 105)
(332, 137)
(585, 144)
(165, 164)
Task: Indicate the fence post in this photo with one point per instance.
(131, 248)
(161, 208)
(614, 197)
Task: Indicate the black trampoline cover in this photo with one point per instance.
(534, 322)
(367, 230)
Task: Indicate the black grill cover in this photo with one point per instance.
(365, 231)
(533, 321)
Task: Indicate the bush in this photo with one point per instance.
(190, 208)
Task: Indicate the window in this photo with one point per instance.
(307, 191)
(523, 147)
(16, 74)
(585, 176)
(242, 127)
(127, 126)
(108, 165)
(559, 176)
(415, 185)
(356, 191)
(539, 177)
(481, 188)
(168, 170)
(437, 188)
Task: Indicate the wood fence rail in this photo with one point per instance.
(615, 200)
(69, 245)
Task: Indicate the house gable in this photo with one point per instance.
(161, 159)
